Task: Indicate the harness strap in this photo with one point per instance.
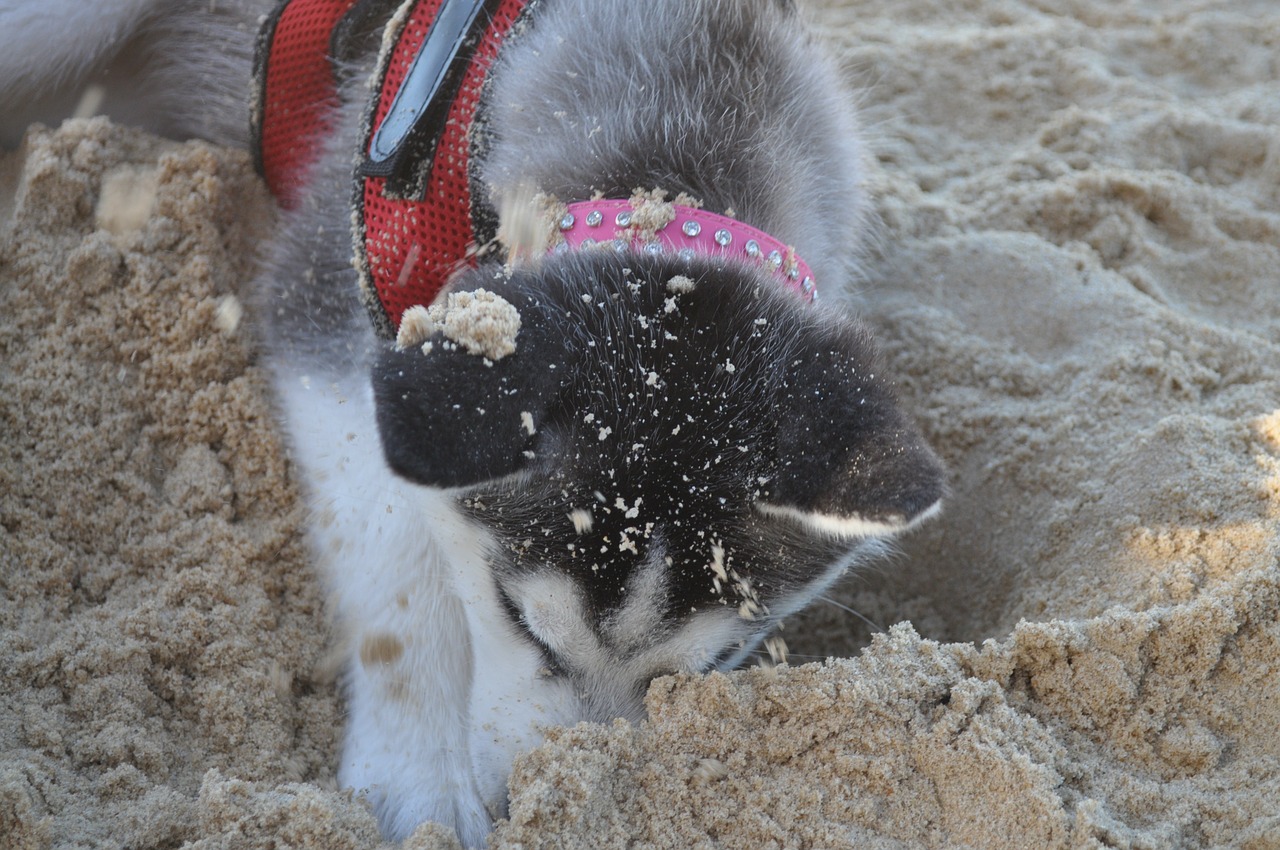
(296, 91)
(415, 223)
(416, 220)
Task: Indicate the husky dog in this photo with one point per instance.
(679, 452)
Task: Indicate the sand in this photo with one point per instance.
(1077, 285)
(482, 323)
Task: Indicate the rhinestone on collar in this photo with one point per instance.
(691, 232)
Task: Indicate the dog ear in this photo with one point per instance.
(850, 463)
(450, 418)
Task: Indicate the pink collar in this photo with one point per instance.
(688, 231)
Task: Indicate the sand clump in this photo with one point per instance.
(1075, 288)
(482, 322)
(651, 211)
(681, 285)
(529, 224)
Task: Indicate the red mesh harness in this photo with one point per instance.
(416, 217)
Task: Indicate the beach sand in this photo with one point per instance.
(1077, 287)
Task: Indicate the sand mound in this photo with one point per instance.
(1078, 287)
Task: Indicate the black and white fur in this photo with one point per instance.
(654, 478)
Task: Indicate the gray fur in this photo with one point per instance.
(311, 303)
(180, 68)
(729, 101)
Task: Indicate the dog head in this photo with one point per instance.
(677, 454)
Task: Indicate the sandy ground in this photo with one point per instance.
(1078, 288)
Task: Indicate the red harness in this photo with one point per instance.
(416, 217)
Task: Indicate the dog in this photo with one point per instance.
(617, 435)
